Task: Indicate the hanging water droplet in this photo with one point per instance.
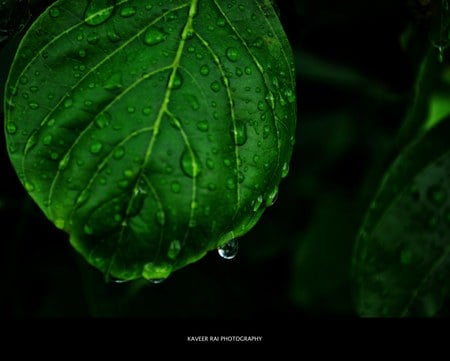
(157, 280)
(215, 86)
(232, 54)
(98, 11)
(154, 36)
(285, 170)
(204, 70)
(229, 250)
(127, 11)
(238, 132)
(202, 125)
(96, 147)
(174, 249)
(156, 273)
(119, 280)
(189, 163)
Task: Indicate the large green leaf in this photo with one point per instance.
(402, 258)
(152, 131)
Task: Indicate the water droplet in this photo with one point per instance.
(114, 82)
(146, 111)
(131, 109)
(161, 217)
(102, 120)
(98, 11)
(156, 281)
(92, 38)
(54, 12)
(63, 163)
(174, 249)
(202, 125)
(154, 36)
(221, 22)
(156, 273)
(47, 139)
(241, 177)
(59, 223)
(248, 70)
(127, 11)
(33, 105)
(189, 163)
(177, 80)
(11, 127)
(272, 197)
(176, 187)
(123, 184)
(119, 153)
(261, 106)
(257, 203)
(215, 86)
(88, 230)
(54, 155)
(285, 170)
(81, 53)
(232, 54)
(266, 131)
(212, 187)
(204, 70)
(238, 132)
(437, 195)
(29, 186)
(290, 96)
(96, 147)
(231, 184)
(229, 250)
(68, 103)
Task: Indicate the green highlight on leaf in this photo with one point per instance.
(143, 126)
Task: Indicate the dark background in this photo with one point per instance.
(354, 84)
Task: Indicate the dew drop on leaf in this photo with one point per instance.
(232, 54)
(29, 186)
(285, 170)
(202, 125)
(11, 127)
(204, 70)
(33, 105)
(176, 187)
(229, 250)
(272, 197)
(154, 36)
(98, 11)
(161, 217)
(189, 164)
(127, 11)
(174, 249)
(238, 132)
(119, 153)
(96, 147)
(102, 120)
(257, 203)
(215, 86)
(54, 12)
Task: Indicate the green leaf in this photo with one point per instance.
(152, 132)
(402, 257)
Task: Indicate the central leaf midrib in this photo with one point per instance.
(162, 111)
